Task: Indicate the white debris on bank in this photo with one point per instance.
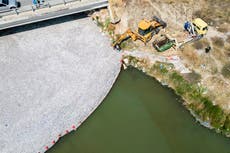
(51, 79)
(175, 60)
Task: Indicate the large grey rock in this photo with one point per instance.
(51, 78)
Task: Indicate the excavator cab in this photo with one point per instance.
(144, 27)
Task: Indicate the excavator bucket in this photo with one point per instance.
(117, 47)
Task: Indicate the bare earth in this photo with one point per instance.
(175, 12)
(51, 79)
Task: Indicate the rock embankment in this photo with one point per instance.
(51, 79)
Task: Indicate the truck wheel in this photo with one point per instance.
(12, 7)
(18, 4)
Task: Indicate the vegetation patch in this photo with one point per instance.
(226, 126)
(106, 25)
(210, 113)
(127, 45)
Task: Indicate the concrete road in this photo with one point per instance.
(25, 2)
(54, 14)
(51, 79)
(26, 6)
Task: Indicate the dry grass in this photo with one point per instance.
(116, 2)
(215, 12)
(191, 55)
(192, 77)
(224, 28)
(227, 50)
(198, 45)
(216, 82)
(228, 39)
(201, 44)
(218, 41)
(226, 70)
(218, 54)
(175, 1)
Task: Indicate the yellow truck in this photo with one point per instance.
(197, 27)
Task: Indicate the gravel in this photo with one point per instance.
(51, 79)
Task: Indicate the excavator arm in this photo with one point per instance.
(127, 35)
(150, 27)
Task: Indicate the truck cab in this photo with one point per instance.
(200, 26)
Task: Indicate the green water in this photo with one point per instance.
(141, 116)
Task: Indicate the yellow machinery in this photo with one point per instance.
(200, 26)
(145, 32)
(197, 29)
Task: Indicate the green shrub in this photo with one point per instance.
(217, 116)
(107, 22)
(176, 78)
(163, 69)
(212, 113)
(227, 123)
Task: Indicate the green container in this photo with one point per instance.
(165, 46)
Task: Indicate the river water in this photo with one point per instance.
(141, 116)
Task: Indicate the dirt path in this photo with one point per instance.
(175, 60)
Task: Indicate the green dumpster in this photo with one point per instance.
(163, 43)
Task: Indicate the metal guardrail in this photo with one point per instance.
(33, 7)
(56, 14)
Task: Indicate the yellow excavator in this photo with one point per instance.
(145, 32)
